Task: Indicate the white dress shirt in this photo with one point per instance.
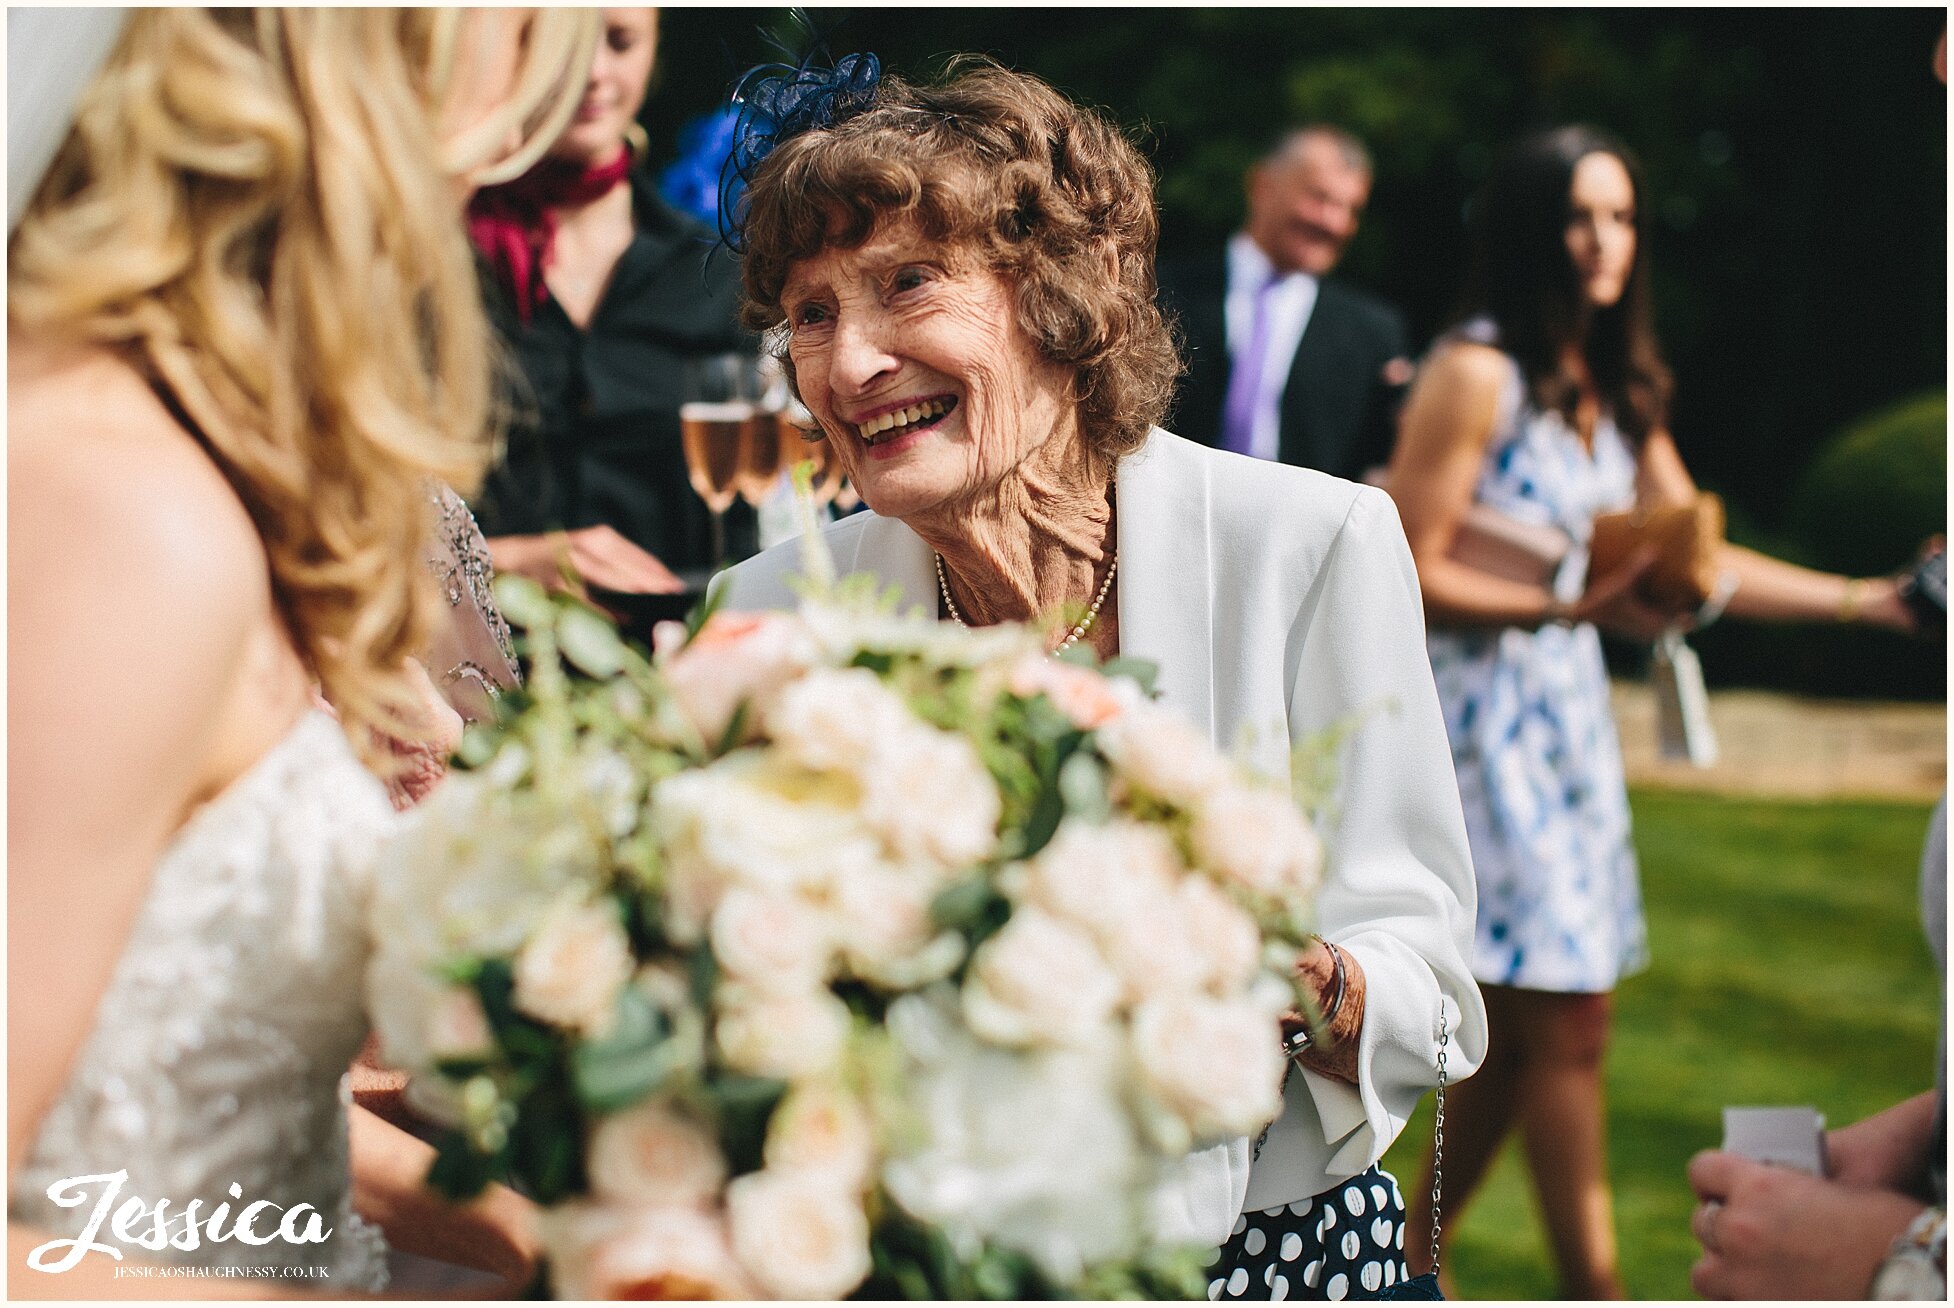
(1278, 602)
(1291, 303)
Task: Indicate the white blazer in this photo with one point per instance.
(1277, 602)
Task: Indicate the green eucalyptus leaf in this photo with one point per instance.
(524, 603)
(590, 642)
(1144, 672)
(1083, 784)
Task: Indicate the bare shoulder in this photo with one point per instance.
(1467, 366)
(106, 483)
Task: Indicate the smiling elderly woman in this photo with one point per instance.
(965, 276)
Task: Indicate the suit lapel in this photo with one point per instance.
(1166, 576)
(1302, 394)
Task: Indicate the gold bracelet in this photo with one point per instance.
(1855, 588)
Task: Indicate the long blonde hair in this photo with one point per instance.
(256, 208)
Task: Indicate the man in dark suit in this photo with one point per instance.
(1283, 361)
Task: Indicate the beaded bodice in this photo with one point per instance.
(220, 1044)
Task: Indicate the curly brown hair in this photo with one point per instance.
(1047, 193)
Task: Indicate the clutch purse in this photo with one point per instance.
(1685, 538)
(1489, 541)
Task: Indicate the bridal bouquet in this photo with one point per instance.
(840, 952)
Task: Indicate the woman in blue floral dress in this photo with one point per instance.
(1548, 406)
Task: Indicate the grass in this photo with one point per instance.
(1789, 968)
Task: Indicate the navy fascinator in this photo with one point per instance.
(777, 102)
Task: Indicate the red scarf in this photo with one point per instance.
(514, 224)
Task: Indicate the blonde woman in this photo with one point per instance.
(244, 340)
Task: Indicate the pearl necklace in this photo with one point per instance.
(1072, 637)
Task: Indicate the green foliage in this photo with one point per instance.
(1788, 967)
(1877, 489)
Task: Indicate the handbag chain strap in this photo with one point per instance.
(1438, 1132)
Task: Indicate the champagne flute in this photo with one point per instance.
(715, 425)
(801, 437)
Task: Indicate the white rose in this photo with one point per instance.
(735, 658)
(652, 1154)
(881, 915)
(1257, 838)
(570, 971)
(472, 870)
(770, 940)
(767, 1033)
(612, 784)
(837, 718)
(1032, 1151)
(799, 1234)
(1215, 1063)
(820, 1127)
(931, 798)
(666, 1251)
(457, 1027)
(1039, 980)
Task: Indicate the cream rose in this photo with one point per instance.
(772, 941)
(799, 1234)
(837, 718)
(820, 1127)
(1039, 981)
(881, 915)
(457, 1027)
(1102, 878)
(1257, 838)
(746, 821)
(1160, 752)
(1229, 942)
(1215, 1063)
(569, 972)
(652, 1154)
(662, 1251)
(769, 1033)
(932, 800)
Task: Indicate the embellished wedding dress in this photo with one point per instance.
(221, 1041)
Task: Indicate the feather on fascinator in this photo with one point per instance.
(777, 102)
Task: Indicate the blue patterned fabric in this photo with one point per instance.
(1533, 736)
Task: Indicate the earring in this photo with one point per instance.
(638, 141)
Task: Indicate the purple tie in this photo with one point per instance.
(1245, 377)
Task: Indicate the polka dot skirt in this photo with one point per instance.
(1346, 1243)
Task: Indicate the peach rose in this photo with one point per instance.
(800, 1234)
(652, 1154)
(570, 971)
(735, 658)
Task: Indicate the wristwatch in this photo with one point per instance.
(1916, 1266)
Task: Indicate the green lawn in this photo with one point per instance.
(1789, 968)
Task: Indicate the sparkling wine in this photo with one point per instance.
(760, 458)
(715, 436)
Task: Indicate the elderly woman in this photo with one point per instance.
(964, 274)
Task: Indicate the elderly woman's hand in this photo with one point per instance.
(1334, 1051)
